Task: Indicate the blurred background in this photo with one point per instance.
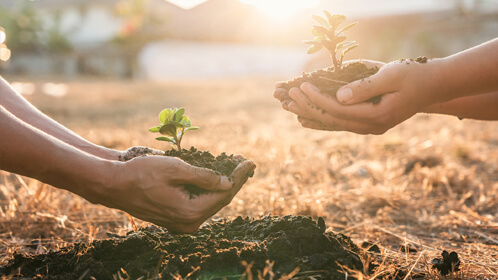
(106, 68)
(161, 39)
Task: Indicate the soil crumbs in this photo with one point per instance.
(220, 250)
(222, 164)
(329, 80)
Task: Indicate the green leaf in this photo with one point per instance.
(347, 50)
(167, 139)
(177, 117)
(313, 49)
(343, 45)
(192, 128)
(165, 115)
(336, 20)
(168, 129)
(320, 20)
(320, 30)
(155, 129)
(338, 39)
(177, 124)
(186, 121)
(313, 42)
(346, 27)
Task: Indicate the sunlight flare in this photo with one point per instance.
(281, 10)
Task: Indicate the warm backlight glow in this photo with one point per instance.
(282, 9)
(2, 36)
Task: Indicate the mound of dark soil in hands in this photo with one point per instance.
(329, 80)
(221, 250)
(222, 164)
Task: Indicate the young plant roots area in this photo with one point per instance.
(416, 203)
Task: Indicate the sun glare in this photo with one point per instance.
(281, 10)
(2, 36)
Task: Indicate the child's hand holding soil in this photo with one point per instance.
(359, 98)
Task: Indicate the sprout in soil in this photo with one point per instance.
(330, 36)
(174, 124)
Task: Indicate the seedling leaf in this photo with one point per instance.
(321, 20)
(168, 129)
(178, 115)
(335, 20)
(347, 27)
(313, 49)
(167, 139)
(191, 128)
(186, 121)
(164, 115)
(155, 129)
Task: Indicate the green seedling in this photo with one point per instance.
(174, 125)
(330, 35)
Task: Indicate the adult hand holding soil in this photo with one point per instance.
(152, 188)
(149, 187)
(464, 84)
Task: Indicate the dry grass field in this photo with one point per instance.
(430, 183)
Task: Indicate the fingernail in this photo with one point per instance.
(345, 95)
(309, 86)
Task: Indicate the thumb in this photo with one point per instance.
(205, 178)
(364, 89)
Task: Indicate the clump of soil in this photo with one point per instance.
(223, 164)
(329, 80)
(215, 251)
(448, 262)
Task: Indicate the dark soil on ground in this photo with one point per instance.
(220, 250)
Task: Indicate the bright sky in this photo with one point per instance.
(281, 9)
(275, 9)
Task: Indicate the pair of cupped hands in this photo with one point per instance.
(398, 83)
(158, 195)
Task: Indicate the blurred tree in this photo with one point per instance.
(22, 27)
(54, 39)
(133, 35)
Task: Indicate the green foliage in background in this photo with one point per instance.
(22, 27)
(25, 32)
(174, 125)
(330, 35)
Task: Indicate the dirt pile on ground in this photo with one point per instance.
(216, 250)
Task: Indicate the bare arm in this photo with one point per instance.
(479, 107)
(464, 84)
(150, 188)
(22, 109)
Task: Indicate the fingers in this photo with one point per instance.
(241, 174)
(137, 151)
(380, 83)
(281, 94)
(204, 178)
(361, 112)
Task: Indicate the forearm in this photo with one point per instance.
(22, 109)
(28, 151)
(471, 72)
(480, 107)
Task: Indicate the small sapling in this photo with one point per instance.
(174, 125)
(330, 35)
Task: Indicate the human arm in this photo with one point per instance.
(25, 111)
(150, 188)
(407, 88)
